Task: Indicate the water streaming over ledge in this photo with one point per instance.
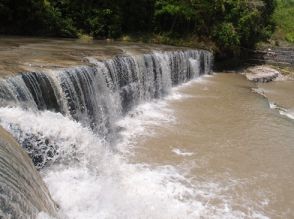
(57, 116)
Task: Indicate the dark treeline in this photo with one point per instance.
(230, 24)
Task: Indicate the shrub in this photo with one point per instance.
(226, 36)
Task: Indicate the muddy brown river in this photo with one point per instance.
(237, 151)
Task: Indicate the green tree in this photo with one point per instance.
(231, 24)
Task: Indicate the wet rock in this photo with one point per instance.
(262, 74)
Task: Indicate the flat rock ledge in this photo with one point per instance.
(262, 74)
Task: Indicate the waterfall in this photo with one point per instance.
(92, 97)
(97, 95)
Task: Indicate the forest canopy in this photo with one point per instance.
(230, 24)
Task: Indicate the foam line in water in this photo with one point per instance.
(180, 152)
(289, 114)
(282, 111)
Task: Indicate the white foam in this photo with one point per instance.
(123, 191)
(181, 152)
(73, 140)
(177, 94)
(285, 112)
(272, 105)
(288, 113)
(44, 215)
(138, 122)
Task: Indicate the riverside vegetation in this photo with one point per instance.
(225, 25)
(284, 20)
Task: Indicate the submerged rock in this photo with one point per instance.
(262, 74)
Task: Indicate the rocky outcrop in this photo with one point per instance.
(23, 193)
(262, 74)
(281, 56)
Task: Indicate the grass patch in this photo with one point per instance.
(85, 38)
(285, 70)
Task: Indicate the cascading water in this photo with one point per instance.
(97, 96)
(67, 122)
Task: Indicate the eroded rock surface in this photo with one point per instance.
(262, 74)
(23, 54)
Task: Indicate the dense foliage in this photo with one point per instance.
(284, 19)
(230, 23)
